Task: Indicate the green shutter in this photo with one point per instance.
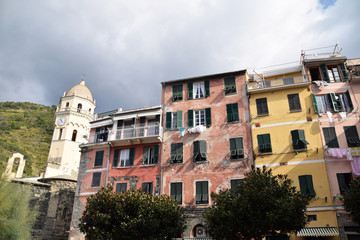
(205, 192)
(190, 118)
(343, 72)
(314, 103)
(208, 116)
(179, 192)
(303, 185)
(239, 146)
(156, 154)
(116, 157)
(198, 192)
(179, 115)
(131, 156)
(235, 112)
(196, 150)
(232, 143)
(99, 158)
(261, 142)
(145, 154)
(168, 120)
(173, 190)
(173, 152)
(229, 112)
(230, 86)
(179, 151)
(347, 93)
(267, 141)
(327, 137)
(144, 187)
(207, 88)
(295, 137)
(190, 90)
(334, 102)
(310, 185)
(203, 149)
(324, 73)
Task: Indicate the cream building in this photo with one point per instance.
(71, 129)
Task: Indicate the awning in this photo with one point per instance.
(318, 232)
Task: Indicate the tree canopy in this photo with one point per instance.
(131, 215)
(352, 200)
(262, 204)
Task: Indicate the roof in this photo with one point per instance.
(80, 90)
(352, 62)
(59, 177)
(33, 181)
(212, 76)
(318, 232)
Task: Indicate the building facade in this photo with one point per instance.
(124, 150)
(286, 138)
(207, 141)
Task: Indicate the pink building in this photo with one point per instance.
(207, 140)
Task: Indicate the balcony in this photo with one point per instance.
(277, 84)
(128, 136)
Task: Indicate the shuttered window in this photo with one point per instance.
(236, 148)
(264, 143)
(344, 180)
(176, 191)
(343, 72)
(234, 183)
(116, 157)
(202, 192)
(232, 112)
(96, 179)
(99, 158)
(176, 154)
(330, 137)
(352, 136)
(147, 187)
(174, 120)
(294, 102)
(198, 89)
(150, 155)
(261, 106)
(306, 185)
(298, 139)
(121, 187)
(324, 73)
(199, 151)
(230, 86)
(177, 94)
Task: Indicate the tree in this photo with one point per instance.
(16, 217)
(262, 204)
(131, 215)
(352, 200)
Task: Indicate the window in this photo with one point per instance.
(261, 105)
(60, 133)
(234, 183)
(230, 85)
(352, 136)
(79, 107)
(173, 120)
(99, 158)
(288, 80)
(150, 155)
(96, 179)
(312, 217)
(147, 187)
(330, 137)
(177, 94)
(344, 180)
(198, 90)
(126, 157)
(67, 104)
(232, 112)
(334, 103)
(176, 155)
(121, 187)
(176, 191)
(101, 134)
(294, 102)
(306, 185)
(199, 117)
(129, 128)
(73, 138)
(298, 139)
(236, 148)
(202, 193)
(264, 143)
(199, 151)
(331, 73)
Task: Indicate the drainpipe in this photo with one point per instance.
(107, 167)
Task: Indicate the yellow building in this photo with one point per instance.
(286, 138)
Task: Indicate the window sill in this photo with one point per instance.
(176, 163)
(200, 162)
(178, 100)
(237, 159)
(100, 166)
(122, 167)
(149, 165)
(234, 122)
(295, 110)
(201, 204)
(262, 115)
(300, 150)
(265, 153)
(230, 94)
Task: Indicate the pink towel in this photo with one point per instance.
(331, 152)
(338, 152)
(355, 165)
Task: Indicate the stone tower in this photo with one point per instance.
(71, 129)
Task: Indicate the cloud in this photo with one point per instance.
(126, 48)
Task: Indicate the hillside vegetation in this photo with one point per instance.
(26, 128)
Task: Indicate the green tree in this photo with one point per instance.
(131, 215)
(262, 204)
(352, 200)
(16, 217)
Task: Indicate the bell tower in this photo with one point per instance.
(72, 126)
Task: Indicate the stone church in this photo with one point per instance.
(54, 192)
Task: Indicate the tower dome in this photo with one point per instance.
(80, 90)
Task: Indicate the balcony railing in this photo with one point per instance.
(65, 109)
(127, 133)
(279, 82)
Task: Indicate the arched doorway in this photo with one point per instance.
(199, 231)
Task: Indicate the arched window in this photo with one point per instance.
(89, 110)
(60, 133)
(74, 136)
(79, 107)
(67, 104)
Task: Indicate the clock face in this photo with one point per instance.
(61, 121)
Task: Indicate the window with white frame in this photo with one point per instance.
(174, 120)
(333, 103)
(199, 90)
(199, 117)
(333, 74)
(125, 158)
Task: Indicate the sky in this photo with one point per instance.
(125, 49)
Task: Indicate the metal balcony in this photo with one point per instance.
(279, 83)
